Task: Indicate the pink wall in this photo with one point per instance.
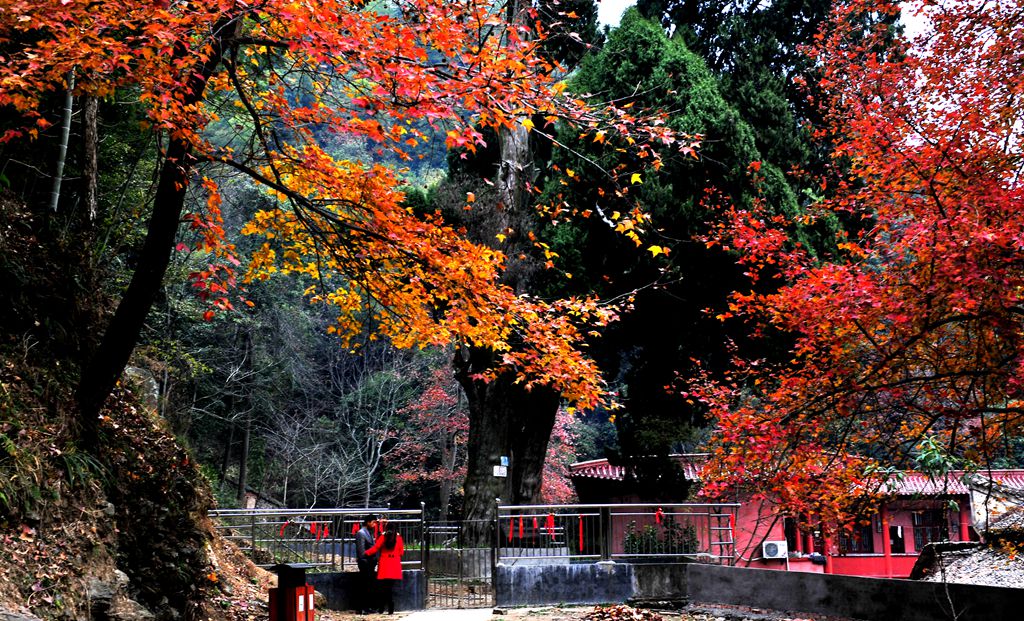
(873, 565)
(756, 523)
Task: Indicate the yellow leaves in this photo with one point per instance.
(599, 137)
(634, 179)
(527, 123)
(500, 237)
(657, 250)
(853, 249)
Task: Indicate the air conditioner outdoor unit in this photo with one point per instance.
(774, 549)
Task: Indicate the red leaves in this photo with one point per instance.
(913, 331)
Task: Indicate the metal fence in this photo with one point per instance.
(459, 571)
(324, 539)
(541, 534)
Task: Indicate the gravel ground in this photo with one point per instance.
(980, 566)
(694, 612)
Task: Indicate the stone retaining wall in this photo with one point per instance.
(871, 599)
(590, 583)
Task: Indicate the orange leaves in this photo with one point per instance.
(296, 82)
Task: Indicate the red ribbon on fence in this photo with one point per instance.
(280, 533)
(581, 533)
(732, 527)
(511, 521)
(535, 529)
(355, 527)
(549, 524)
(314, 529)
(325, 531)
(520, 527)
(658, 515)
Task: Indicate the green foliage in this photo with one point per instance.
(934, 459)
(667, 538)
(672, 322)
(81, 468)
(21, 468)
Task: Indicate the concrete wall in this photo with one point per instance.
(340, 589)
(590, 583)
(598, 583)
(660, 582)
(871, 599)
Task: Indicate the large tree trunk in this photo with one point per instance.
(243, 462)
(505, 420)
(103, 369)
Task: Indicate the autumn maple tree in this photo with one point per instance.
(290, 80)
(433, 446)
(910, 343)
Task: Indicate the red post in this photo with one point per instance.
(883, 515)
(309, 602)
(828, 555)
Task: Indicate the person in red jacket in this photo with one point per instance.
(389, 568)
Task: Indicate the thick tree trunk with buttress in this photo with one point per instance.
(505, 419)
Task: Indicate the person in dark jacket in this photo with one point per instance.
(389, 570)
(367, 563)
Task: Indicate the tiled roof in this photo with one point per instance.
(597, 469)
(904, 484)
(600, 468)
(1011, 521)
(918, 484)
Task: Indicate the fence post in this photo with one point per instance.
(495, 542)
(424, 544)
(424, 555)
(605, 533)
(252, 533)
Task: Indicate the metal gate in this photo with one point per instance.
(459, 573)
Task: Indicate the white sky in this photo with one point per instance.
(609, 11)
